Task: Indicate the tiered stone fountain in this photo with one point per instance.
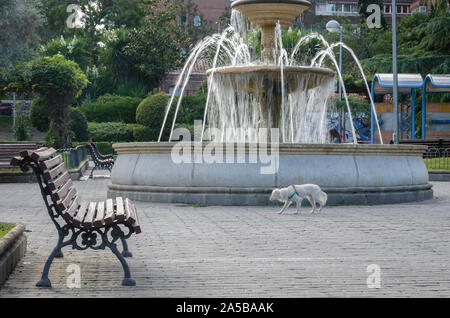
(349, 173)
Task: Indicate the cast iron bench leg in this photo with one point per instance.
(125, 252)
(44, 281)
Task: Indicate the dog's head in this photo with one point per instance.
(275, 195)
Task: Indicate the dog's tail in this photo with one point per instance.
(323, 198)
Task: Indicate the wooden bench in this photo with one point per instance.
(100, 161)
(80, 224)
(9, 150)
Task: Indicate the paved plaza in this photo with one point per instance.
(214, 251)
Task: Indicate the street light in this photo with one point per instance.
(394, 71)
(333, 26)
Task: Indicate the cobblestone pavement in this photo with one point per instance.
(187, 251)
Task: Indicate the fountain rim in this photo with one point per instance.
(246, 69)
(238, 3)
(283, 148)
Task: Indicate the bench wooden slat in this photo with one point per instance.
(120, 211)
(16, 161)
(109, 213)
(59, 182)
(69, 213)
(49, 164)
(89, 218)
(80, 214)
(135, 224)
(29, 152)
(128, 213)
(62, 192)
(65, 203)
(99, 218)
(43, 155)
(52, 174)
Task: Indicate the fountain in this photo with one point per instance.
(252, 100)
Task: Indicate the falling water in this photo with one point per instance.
(240, 104)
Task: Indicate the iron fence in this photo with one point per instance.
(437, 158)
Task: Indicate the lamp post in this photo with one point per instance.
(333, 26)
(394, 70)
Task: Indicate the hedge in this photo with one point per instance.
(112, 131)
(112, 108)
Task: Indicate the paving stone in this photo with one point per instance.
(245, 251)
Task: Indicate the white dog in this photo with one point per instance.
(297, 193)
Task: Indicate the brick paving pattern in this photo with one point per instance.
(214, 251)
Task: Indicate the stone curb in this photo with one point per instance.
(12, 248)
(439, 175)
(29, 177)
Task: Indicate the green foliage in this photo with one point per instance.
(306, 51)
(151, 111)
(356, 106)
(39, 114)
(131, 87)
(5, 228)
(78, 125)
(58, 81)
(155, 46)
(143, 133)
(187, 11)
(20, 23)
(112, 131)
(109, 108)
(54, 75)
(22, 129)
(192, 108)
(76, 49)
(113, 55)
(434, 35)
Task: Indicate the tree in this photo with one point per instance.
(19, 24)
(156, 47)
(193, 22)
(58, 81)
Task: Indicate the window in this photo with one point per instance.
(197, 21)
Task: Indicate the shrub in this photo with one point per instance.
(151, 110)
(131, 87)
(193, 108)
(111, 131)
(23, 126)
(39, 114)
(143, 133)
(112, 108)
(78, 125)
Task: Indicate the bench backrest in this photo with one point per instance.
(54, 177)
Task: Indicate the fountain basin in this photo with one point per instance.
(263, 12)
(350, 174)
(272, 73)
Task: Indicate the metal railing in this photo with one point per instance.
(73, 157)
(437, 158)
